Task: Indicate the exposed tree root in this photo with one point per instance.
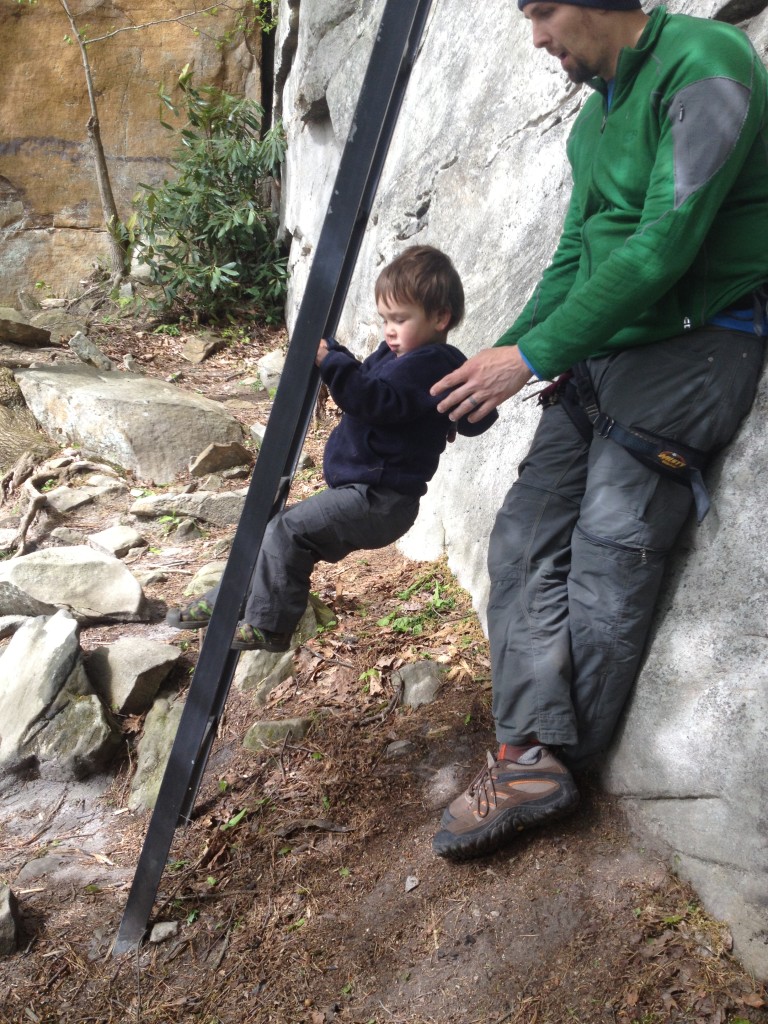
(30, 477)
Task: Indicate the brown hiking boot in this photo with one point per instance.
(505, 798)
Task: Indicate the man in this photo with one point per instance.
(653, 299)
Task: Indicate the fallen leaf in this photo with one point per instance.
(753, 999)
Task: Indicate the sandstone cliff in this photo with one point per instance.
(51, 225)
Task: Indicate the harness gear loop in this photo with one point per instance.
(670, 458)
(562, 391)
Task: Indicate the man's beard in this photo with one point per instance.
(580, 73)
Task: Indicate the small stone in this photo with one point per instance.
(399, 748)
(163, 931)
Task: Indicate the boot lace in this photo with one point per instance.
(482, 789)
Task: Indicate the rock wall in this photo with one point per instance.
(477, 166)
(51, 224)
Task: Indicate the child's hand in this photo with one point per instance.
(322, 351)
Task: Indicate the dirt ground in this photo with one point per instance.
(305, 890)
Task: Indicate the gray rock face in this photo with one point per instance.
(89, 584)
(477, 167)
(490, 187)
(690, 760)
(143, 425)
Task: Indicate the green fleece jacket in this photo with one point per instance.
(668, 219)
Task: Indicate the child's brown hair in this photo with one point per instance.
(426, 277)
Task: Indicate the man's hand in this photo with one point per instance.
(482, 383)
(322, 351)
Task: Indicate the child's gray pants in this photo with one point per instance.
(578, 548)
(324, 527)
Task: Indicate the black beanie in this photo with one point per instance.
(603, 5)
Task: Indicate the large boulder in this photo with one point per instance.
(128, 673)
(144, 425)
(49, 715)
(92, 585)
(477, 167)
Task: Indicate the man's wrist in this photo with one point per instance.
(529, 364)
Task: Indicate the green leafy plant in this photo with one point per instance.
(169, 522)
(209, 236)
(371, 675)
(235, 820)
(414, 622)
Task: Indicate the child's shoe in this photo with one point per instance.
(250, 638)
(195, 615)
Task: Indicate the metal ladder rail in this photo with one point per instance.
(360, 168)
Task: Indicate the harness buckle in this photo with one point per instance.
(603, 424)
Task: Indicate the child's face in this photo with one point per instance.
(408, 327)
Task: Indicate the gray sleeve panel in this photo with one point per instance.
(707, 118)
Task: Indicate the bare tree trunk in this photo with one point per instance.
(118, 250)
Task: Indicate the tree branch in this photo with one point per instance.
(162, 21)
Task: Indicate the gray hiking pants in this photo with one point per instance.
(325, 527)
(577, 552)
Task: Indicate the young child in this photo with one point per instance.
(378, 459)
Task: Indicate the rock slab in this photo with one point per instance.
(146, 426)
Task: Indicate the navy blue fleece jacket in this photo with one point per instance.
(390, 434)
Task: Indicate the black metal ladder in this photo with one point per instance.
(362, 160)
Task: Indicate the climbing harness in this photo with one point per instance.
(575, 391)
